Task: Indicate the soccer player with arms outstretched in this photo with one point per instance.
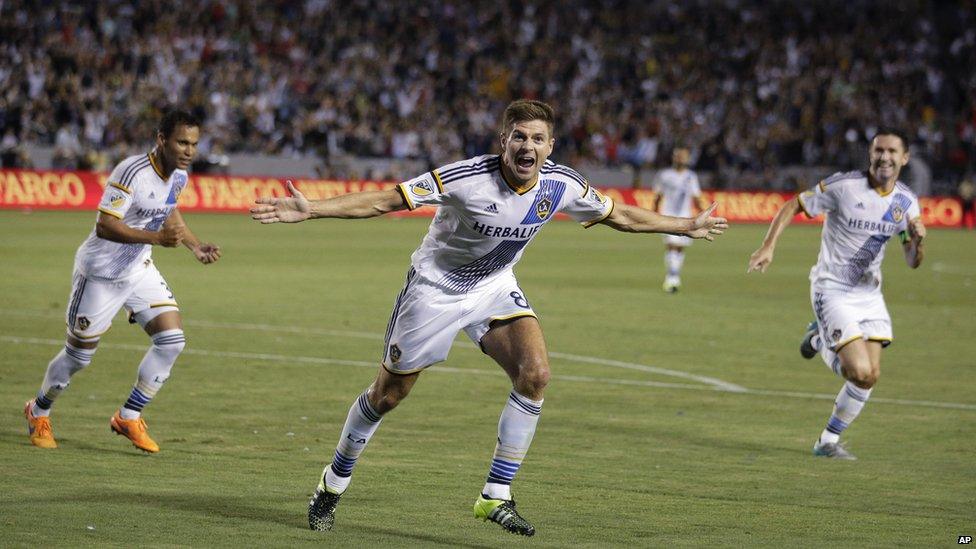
(676, 187)
(489, 209)
(114, 269)
(851, 327)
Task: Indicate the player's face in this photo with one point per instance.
(680, 158)
(887, 157)
(180, 148)
(525, 148)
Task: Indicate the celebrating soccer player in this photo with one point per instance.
(863, 211)
(676, 187)
(114, 269)
(489, 208)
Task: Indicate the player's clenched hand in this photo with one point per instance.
(705, 226)
(916, 230)
(207, 253)
(285, 210)
(760, 260)
(171, 236)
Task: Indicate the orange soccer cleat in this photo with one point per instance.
(39, 428)
(135, 431)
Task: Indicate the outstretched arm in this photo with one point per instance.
(761, 258)
(914, 251)
(297, 208)
(632, 219)
(205, 252)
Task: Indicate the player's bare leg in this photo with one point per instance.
(168, 341)
(362, 421)
(860, 365)
(520, 349)
(76, 355)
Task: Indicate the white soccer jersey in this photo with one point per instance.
(676, 190)
(482, 225)
(859, 222)
(137, 194)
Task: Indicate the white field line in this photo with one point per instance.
(447, 369)
(718, 383)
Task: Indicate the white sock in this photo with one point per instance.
(154, 370)
(850, 401)
(65, 364)
(516, 427)
(674, 260)
(361, 423)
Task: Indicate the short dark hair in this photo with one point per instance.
(176, 117)
(888, 130)
(524, 110)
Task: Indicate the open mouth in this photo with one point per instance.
(525, 162)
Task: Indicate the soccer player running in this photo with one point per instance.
(114, 269)
(489, 209)
(676, 187)
(863, 211)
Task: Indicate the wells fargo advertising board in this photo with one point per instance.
(44, 189)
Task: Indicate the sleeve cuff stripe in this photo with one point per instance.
(111, 213)
(589, 224)
(799, 200)
(406, 198)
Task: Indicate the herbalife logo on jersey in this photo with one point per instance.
(521, 233)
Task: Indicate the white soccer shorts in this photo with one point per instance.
(94, 302)
(845, 315)
(426, 318)
(676, 240)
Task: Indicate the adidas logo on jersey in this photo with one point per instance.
(860, 205)
(492, 209)
(152, 195)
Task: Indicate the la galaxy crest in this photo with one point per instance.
(395, 353)
(897, 212)
(597, 196)
(422, 188)
(543, 208)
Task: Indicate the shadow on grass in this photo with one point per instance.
(239, 508)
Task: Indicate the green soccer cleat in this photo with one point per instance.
(321, 509)
(503, 513)
(833, 450)
(806, 346)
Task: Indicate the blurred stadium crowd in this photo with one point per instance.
(753, 86)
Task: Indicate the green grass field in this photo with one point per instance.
(637, 446)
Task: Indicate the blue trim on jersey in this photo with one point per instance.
(862, 258)
(129, 174)
(464, 278)
(899, 207)
(546, 202)
(461, 172)
(856, 174)
(551, 167)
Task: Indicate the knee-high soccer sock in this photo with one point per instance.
(65, 364)
(674, 260)
(361, 422)
(153, 371)
(848, 405)
(516, 427)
